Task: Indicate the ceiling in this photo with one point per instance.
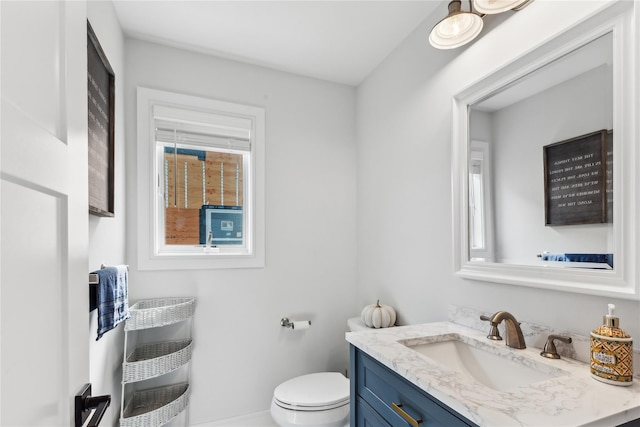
(338, 41)
(597, 53)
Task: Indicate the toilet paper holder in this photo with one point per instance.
(285, 322)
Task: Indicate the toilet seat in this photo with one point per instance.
(313, 392)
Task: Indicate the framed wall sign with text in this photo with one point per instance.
(575, 180)
(101, 98)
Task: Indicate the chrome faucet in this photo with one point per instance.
(514, 336)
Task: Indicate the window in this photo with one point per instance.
(480, 203)
(476, 205)
(200, 182)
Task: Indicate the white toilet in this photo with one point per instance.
(318, 400)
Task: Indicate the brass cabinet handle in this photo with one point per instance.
(403, 414)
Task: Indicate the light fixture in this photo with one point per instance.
(490, 7)
(457, 29)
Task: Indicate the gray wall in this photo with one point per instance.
(405, 234)
(570, 109)
(107, 235)
(398, 221)
(241, 353)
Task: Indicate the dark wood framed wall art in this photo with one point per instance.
(101, 115)
(577, 184)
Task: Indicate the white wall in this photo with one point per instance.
(567, 110)
(240, 350)
(107, 235)
(404, 117)
(402, 221)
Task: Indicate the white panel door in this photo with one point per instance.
(44, 312)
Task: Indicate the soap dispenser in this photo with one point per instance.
(611, 352)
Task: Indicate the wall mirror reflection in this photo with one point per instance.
(544, 165)
(567, 98)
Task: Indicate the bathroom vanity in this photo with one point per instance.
(384, 398)
(445, 374)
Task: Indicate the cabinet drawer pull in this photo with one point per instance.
(398, 408)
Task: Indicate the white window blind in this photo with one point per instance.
(180, 126)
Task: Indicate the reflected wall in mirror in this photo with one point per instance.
(577, 84)
(568, 97)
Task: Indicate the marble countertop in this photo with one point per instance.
(571, 399)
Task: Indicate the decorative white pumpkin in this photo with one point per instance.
(378, 315)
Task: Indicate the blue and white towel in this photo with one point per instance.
(575, 257)
(112, 297)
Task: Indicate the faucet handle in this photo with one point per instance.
(549, 349)
(494, 334)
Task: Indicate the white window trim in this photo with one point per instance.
(146, 216)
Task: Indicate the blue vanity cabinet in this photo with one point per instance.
(380, 397)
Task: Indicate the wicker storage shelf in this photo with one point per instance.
(155, 407)
(141, 406)
(153, 313)
(155, 359)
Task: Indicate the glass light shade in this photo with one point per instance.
(490, 7)
(457, 29)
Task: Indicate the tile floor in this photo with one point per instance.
(261, 419)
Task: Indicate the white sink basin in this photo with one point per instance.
(502, 372)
